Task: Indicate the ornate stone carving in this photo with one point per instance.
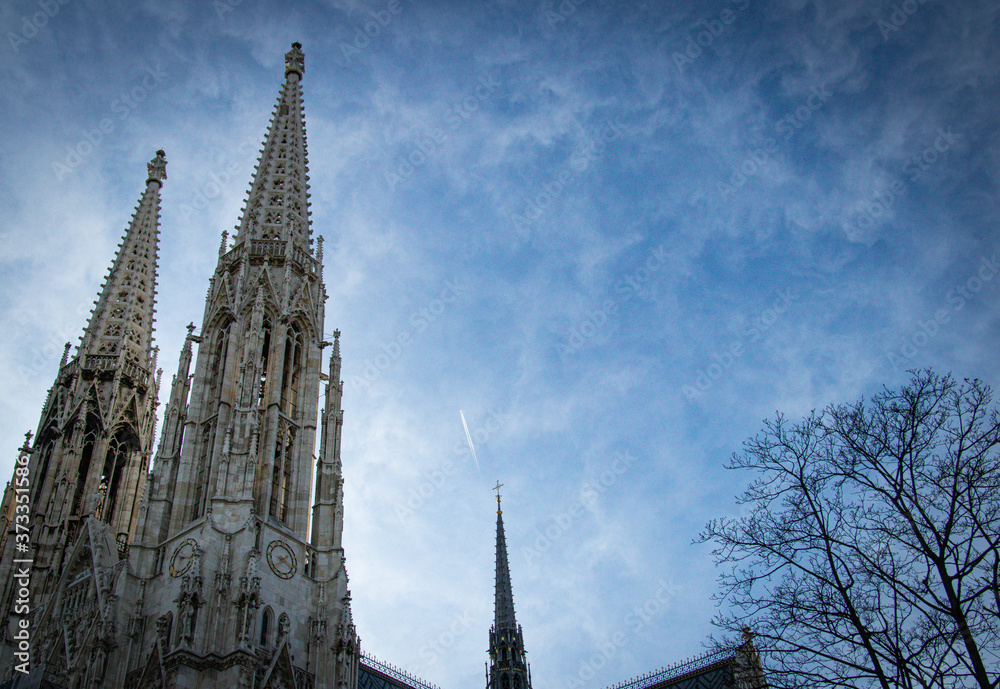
(163, 633)
(157, 167)
(223, 575)
(247, 599)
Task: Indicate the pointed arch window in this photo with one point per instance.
(265, 357)
(176, 431)
(217, 365)
(52, 488)
(168, 630)
(202, 470)
(116, 461)
(291, 372)
(266, 622)
(45, 452)
(86, 454)
(281, 472)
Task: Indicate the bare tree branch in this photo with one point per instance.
(869, 548)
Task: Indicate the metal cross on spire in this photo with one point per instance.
(509, 667)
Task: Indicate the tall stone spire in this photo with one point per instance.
(277, 206)
(508, 666)
(249, 422)
(95, 436)
(328, 509)
(121, 323)
(237, 592)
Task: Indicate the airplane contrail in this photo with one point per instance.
(468, 436)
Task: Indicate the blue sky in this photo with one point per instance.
(614, 236)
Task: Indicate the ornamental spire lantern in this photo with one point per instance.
(277, 207)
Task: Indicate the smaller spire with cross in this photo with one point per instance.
(508, 664)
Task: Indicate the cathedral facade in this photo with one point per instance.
(219, 562)
(201, 572)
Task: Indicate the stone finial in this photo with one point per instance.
(251, 571)
(26, 448)
(157, 168)
(295, 60)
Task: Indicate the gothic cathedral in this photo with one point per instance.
(202, 571)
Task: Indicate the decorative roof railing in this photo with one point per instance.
(106, 362)
(70, 367)
(135, 371)
(679, 670)
(267, 247)
(100, 362)
(395, 673)
(302, 257)
(109, 362)
(271, 249)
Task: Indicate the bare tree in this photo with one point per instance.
(869, 548)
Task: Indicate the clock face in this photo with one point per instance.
(281, 559)
(183, 556)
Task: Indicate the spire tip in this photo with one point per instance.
(157, 168)
(295, 60)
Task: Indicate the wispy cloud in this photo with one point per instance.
(804, 151)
